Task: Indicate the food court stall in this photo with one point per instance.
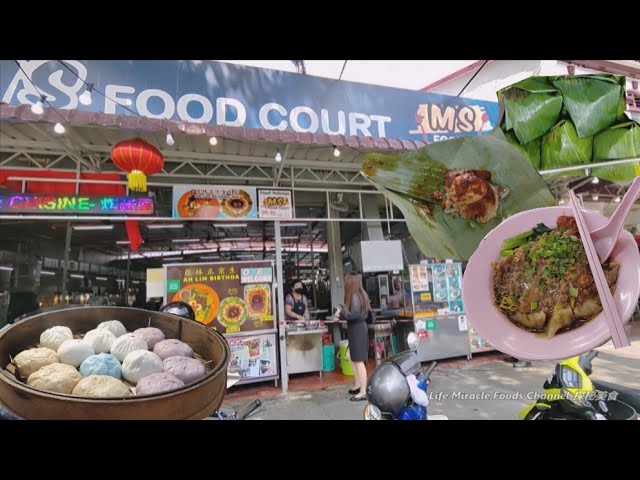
(237, 300)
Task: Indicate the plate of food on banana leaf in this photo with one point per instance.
(529, 291)
(452, 193)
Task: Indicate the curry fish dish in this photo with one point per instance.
(543, 282)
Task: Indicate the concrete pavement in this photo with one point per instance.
(489, 391)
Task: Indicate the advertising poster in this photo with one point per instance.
(447, 285)
(275, 204)
(214, 201)
(228, 297)
(253, 356)
(478, 344)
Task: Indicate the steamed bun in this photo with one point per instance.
(73, 352)
(100, 339)
(184, 368)
(53, 337)
(140, 364)
(158, 382)
(101, 364)
(150, 335)
(55, 377)
(114, 326)
(101, 386)
(172, 348)
(32, 360)
(125, 344)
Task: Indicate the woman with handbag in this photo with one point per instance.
(356, 311)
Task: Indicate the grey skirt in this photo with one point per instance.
(358, 336)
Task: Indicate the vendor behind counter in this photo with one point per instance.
(296, 305)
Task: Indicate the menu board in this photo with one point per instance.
(214, 201)
(275, 204)
(447, 285)
(253, 356)
(219, 297)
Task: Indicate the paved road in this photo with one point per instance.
(489, 391)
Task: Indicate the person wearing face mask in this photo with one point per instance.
(296, 306)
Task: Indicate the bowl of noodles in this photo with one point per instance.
(528, 289)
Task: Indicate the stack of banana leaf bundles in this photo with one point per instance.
(568, 121)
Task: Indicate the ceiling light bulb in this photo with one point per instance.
(85, 98)
(38, 107)
(336, 152)
(213, 141)
(617, 199)
(595, 180)
(278, 156)
(58, 128)
(595, 198)
(170, 140)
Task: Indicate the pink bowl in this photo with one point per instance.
(493, 326)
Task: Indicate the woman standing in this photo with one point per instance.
(356, 310)
(296, 306)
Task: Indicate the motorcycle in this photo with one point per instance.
(569, 394)
(397, 388)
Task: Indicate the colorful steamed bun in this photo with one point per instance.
(101, 364)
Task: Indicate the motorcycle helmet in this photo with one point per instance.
(180, 309)
(388, 389)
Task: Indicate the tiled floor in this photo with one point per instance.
(312, 381)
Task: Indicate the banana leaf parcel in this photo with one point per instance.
(616, 143)
(409, 180)
(594, 102)
(561, 147)
(531, 149)
(531, 107)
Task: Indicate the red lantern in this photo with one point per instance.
(138, 159)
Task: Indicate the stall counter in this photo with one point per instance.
(304, 349)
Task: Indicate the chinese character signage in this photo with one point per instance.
(220, 298)
(75, 204)
(275, 204)
(213, 201)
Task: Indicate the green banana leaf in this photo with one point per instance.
(561, 147)
(531, 149)
(531, 107)
(617, 143)
(594, 102)
(407, 179)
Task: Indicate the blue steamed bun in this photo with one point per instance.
(101, 364)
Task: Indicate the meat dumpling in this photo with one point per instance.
(533, 320)
(588, 309)
(561, 318)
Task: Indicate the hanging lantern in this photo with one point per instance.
(139, 159)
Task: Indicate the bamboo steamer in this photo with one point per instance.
(195, 401)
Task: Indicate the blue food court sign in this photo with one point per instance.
(226, 94)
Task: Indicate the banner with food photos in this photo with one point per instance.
(253, 356)
(230, 297)
(215, 201)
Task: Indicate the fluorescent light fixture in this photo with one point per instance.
(230, 225)
(289, 238)
(215, 257)
(245, 255)
(135, 281)
(6, 269)
(76, 275)
(93, 227)
(239, 239)
(186, 240)
(46, 272)
(156, 226)
(123, 242)
(175, 258)
(293, 224)
(102, 278)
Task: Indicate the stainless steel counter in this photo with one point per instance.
(304, 350)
